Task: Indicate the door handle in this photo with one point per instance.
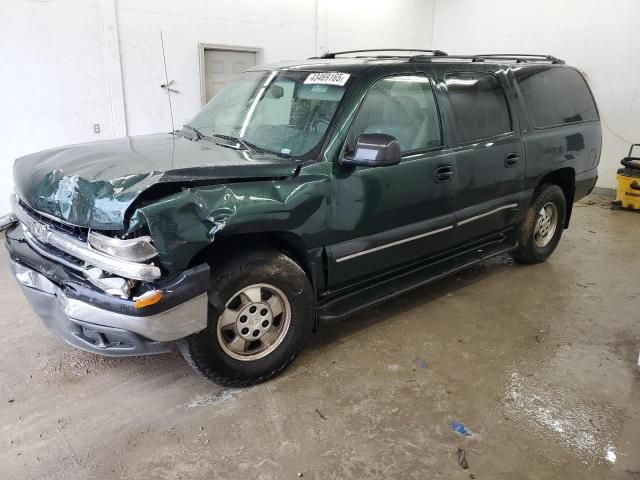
(511, 159)
(443, 174)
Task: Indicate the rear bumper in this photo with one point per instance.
(103, 324)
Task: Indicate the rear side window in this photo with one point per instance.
(479, 105)
(555, 95)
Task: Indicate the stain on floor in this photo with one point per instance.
(537, 363)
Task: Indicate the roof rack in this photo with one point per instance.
(521, 57)
(518, 58)
(429, 55)
(435, 53)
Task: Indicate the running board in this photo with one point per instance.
(337, 306)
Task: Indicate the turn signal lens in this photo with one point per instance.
(147, 299)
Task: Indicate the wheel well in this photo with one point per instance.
(226, 247)
(565, 178)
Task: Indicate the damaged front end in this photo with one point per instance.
(114, 261)
(114, 265)
(161, 238)
(101, 292)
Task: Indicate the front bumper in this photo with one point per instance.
(103, 324)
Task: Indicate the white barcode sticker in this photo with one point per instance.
(328, 78)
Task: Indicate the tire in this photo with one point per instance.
(533, 246)
(218, 353)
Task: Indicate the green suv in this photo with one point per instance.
(303, 191)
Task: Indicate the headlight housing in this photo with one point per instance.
(137, 249)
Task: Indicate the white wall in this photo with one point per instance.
(67, 64)
(602, 39)
(53, 79)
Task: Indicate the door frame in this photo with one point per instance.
(218, 46)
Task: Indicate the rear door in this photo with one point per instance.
(489, 152)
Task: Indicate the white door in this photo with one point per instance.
(221, 66)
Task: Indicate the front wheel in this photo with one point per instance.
(538, 235)
(261, 313)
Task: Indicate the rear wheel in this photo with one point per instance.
(261, 313)
(538, 235)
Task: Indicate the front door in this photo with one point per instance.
(386, 217)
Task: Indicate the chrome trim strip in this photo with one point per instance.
(490, 212)
(422, 235)
(177, 322)
(393, 244)
(33, 243)
(82, 251)
(7, 221)
(32, 279)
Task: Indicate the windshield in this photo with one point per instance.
(287, 113)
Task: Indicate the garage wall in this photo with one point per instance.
(53, 79)
(66, 65)
(603, 41)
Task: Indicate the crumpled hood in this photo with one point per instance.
(94, 184)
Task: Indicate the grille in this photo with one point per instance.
(57, 224)
(68, 259)
(79, 232)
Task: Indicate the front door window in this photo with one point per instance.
(401, 106)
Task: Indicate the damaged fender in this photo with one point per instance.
(185, 223)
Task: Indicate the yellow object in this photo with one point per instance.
(147, 299)
(628, 191)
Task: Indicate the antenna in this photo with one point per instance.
(166, 77)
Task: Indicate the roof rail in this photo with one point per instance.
(428, 55)
(518, 58)
(437, 53)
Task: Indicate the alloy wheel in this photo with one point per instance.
(546, 224)
(254, 322)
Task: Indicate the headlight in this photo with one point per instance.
(132, 249)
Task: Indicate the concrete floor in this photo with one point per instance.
(538, 362)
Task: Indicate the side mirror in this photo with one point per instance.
(274, 91)
(374, 150)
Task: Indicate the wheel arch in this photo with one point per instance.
(226, 247)
(565, 178)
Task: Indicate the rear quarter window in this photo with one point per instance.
(555, 95)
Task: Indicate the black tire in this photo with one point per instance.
(528, 251)
(203, 350)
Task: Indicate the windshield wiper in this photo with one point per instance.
(239, 141)
(199, 134)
